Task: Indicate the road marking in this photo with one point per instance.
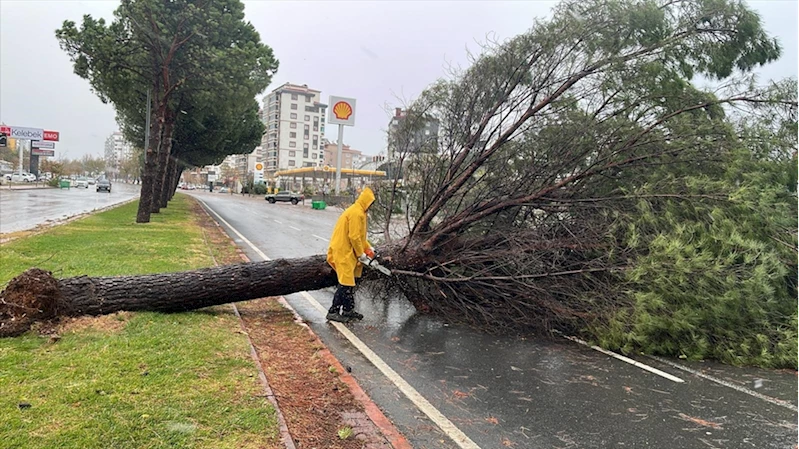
(321, 238)
(423, 404)
(260, 253)
(625, 359)
(296, 229)
(745, 390)
(277, 221)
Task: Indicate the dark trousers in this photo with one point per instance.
(344, 298)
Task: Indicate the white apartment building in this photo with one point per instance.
(295, 125)
(117, 150)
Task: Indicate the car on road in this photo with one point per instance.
(24, 177)
(104, 184)
(81, 182)
(284, 196)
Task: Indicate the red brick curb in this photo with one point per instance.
(391, 433)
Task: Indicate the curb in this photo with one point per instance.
(285, 436)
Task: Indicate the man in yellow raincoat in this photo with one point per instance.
(347, 253)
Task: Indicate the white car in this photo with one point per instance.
(24, 177)
(81, 182)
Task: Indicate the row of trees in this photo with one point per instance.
(200, 64)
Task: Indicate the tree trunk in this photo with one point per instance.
(160, 181)
(170, 181)
(150, 162)
(36, 295)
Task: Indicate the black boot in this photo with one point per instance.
(335, 316)
(349, 305)
(352, 315)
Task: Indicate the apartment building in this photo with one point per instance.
(294, 117)
(117, 150)
(424, 137)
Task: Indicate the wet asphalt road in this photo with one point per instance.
(509, 391)
(26, 207)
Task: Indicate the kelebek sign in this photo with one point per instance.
(23, 133)
(18, 132)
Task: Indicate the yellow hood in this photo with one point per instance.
(366, 198)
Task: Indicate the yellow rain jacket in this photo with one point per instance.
(349, 240)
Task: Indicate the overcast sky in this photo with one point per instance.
(382, 53)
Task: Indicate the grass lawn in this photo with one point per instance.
(130, 380)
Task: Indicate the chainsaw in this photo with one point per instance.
(375, 265)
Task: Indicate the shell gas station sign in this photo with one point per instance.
(341, 111)
(258, 173)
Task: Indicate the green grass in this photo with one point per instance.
(112, 243)
(129, 380)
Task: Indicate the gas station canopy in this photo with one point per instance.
(313, 171)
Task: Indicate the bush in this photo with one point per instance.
(259, 189)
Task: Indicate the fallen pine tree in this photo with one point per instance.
(578, 181)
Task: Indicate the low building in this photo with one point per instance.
(350, 158)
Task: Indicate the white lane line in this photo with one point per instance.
(723, 382)
(321, 238)
(260, 253)
(277, 221)
(625, 359)
(296, 229)
(423, 404)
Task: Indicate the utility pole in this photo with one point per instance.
(338, 158)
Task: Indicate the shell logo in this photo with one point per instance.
(259, 166)
(342, 110)
(326, 168)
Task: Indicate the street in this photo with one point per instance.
(24, 208)
(447, 386)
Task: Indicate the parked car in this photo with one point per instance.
(81, 182)
(23, 177)
(92, 181)
(104, 184)
(285, 196)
